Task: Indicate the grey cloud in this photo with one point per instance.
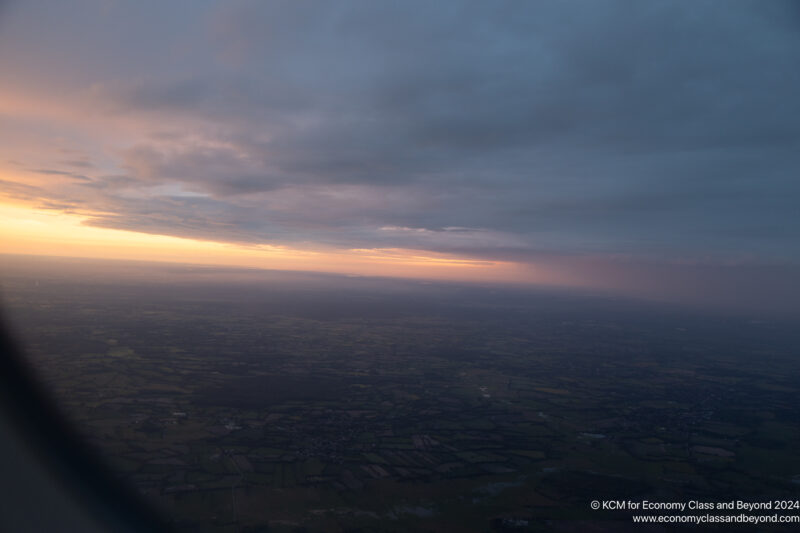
(113, 183)
(20, 191)
(81, 163)
(621, 127)
(51, 172)
(220, 170)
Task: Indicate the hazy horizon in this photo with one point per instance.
(647, 148)
(124, 271)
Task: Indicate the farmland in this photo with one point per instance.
(258, 405)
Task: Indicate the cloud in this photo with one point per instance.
(80, 163)
(20, 191)
(649, 128)
(67, 174)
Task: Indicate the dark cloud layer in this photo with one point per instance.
(661, 129)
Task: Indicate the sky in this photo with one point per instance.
(644, 146)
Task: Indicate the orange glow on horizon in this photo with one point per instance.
(29, 230)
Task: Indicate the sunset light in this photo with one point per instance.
(219, 140)
(31, 231)
(379, 266)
